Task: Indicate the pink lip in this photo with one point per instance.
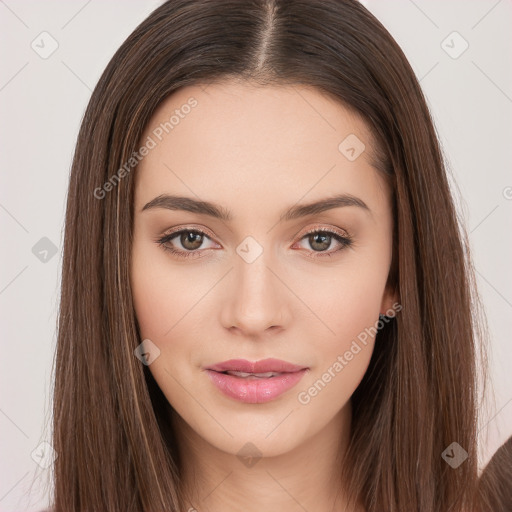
(254, 390)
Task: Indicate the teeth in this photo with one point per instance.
(258, 375)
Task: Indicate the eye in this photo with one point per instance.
(189, 239)
(321, 239)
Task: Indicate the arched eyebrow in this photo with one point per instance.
(189, 204)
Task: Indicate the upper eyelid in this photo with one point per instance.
(188, 229)
(337, 231)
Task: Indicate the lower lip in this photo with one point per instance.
(255, 391)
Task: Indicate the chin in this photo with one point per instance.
(249, 434)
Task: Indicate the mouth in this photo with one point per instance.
(251, 376)
(255, 382)
(256, 367)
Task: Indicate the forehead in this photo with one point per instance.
(276, 142)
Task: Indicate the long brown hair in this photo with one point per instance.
(495, 483)
(115, 448)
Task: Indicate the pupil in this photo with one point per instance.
(193, 238)
(321, 236)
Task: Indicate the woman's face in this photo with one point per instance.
(247, 281)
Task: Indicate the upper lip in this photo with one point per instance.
(262, 366)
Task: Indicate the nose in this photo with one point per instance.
(258, 300)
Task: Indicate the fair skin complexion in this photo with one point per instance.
(257, 151)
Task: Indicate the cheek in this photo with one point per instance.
(162, 298)
(161, 294)
(342, 356)
(346, 303)
(342, 331)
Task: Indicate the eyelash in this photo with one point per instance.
(345, 241)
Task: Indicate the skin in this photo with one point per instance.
(257, 151)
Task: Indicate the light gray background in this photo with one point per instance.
(42, 102)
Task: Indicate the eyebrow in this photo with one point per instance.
(172, 202)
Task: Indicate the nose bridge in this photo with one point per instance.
(257, 300)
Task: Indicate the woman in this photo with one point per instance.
(267, 299)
